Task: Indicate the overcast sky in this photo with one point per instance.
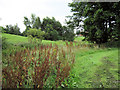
(13, 11)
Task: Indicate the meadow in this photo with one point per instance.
(79, 64)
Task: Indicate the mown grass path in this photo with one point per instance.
(96, 68)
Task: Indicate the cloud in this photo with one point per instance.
(13, 11)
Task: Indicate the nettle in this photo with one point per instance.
(46, 66)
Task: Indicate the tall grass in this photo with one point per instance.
(45, 66)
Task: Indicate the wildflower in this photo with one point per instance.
(38, 86)
(24, 67)
(20, 83)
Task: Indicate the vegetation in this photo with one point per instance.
(52, 28)
(93, 67)
(11, 29)
(49, 55)
(101, 20)
(44, 66)
(34, 34)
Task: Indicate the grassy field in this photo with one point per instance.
(93, 68)
(17, 40)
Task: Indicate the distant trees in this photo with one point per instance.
(33, 22)
(11, 29)
(49, 29)
(68, 33)
(53, 29)
(2, 29)
(101, 20)
(34, 34)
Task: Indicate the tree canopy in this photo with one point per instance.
(101, 20)
(53, 29)
(33, 22)
(11, 29)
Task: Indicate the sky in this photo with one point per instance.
(13, 11)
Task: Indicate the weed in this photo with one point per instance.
(36, 67)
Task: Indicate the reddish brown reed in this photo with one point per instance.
(46, 61)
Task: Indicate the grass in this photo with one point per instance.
(91, 65)
(17, 40)
(94, 67)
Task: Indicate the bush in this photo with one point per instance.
(35, 35)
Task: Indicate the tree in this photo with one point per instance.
(78, 32)
(52, 26)
(16, 30)
(37, 23)
(35, 34)
(33, 22)
(53, 29)
(27, 23)
(68, 33)
(51, 33)
(101, 20)
(2, 29)
(12, 29)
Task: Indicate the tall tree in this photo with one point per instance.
(101, 20)
(27, 23)
(33, 22)
(51, 33)
(68, 33)
(37, 23)
(55, 27)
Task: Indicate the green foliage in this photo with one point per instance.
(35, 35)
(51, 33)
(78, 32)
(12, 29)
(33, 22)
(2, 29)
(101, 20)
(68, 34)
(27, 23)
(53, 29)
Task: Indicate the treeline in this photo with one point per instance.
(53, 29)
(11, 29)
